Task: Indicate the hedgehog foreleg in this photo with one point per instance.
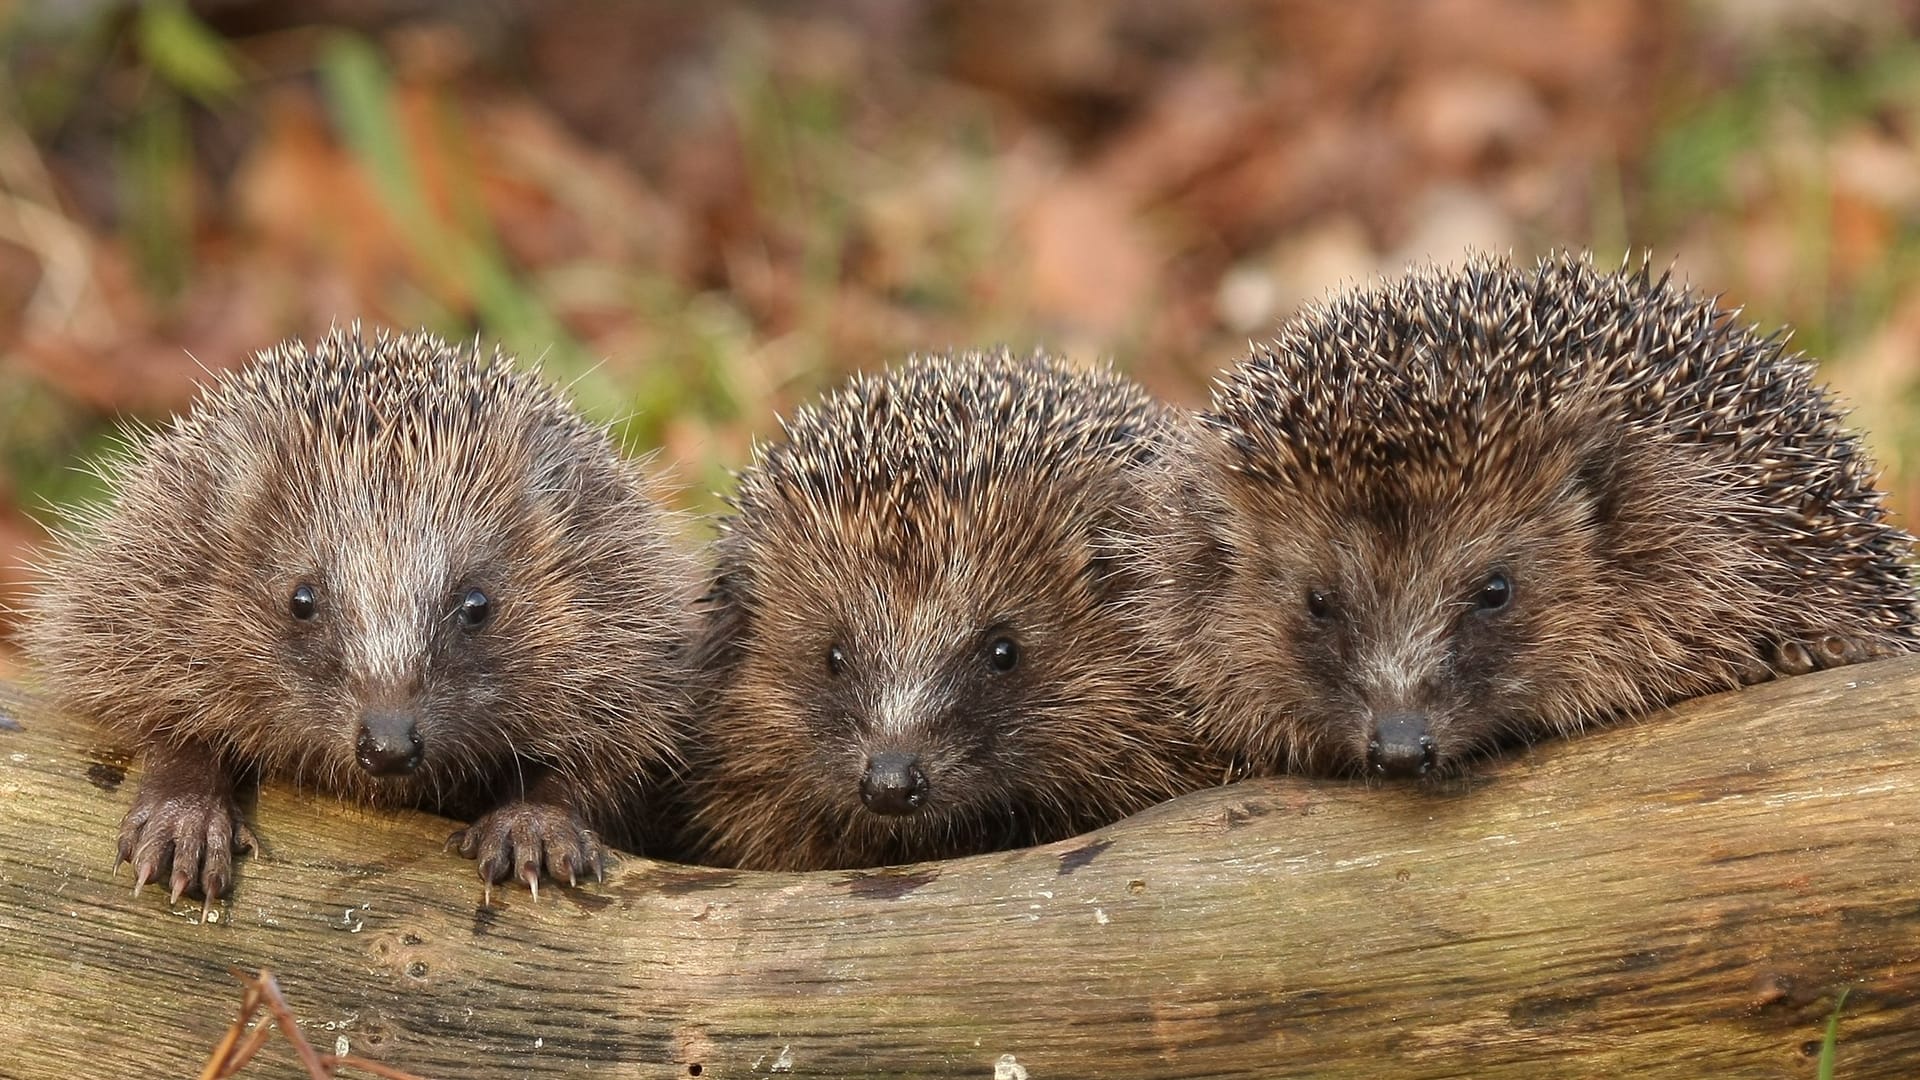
(184, 824)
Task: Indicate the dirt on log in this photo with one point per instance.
(1686, 896)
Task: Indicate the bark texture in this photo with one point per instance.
(1684, 896)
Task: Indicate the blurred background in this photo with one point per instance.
(706, 212)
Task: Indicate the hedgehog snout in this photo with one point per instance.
(389, 742)
(1401, 746)
(894, 784)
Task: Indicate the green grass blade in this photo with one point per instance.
(1829, 1044)
(362, 97)
(185, 52)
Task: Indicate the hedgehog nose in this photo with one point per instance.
(389, 744)
(894, 784)
(1400, 746)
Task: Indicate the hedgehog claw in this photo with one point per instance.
(525, 841)
(183, 829)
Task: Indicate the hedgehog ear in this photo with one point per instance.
(1209, 552)
(1169, 532)
(1207, 499)
(1599, 479)
(555, 461)
(722, 625)
(1115, 546)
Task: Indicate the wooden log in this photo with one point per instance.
(1685, 896)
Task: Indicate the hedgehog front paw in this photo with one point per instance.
(188, 837)
(1832, 651)
(521, 839)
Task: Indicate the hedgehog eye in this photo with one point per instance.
(1319, 604)
(304, 603)
(836, 660)
(1494, 594)
(1003, 655)
(474, 608)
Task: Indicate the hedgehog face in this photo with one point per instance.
(1419, 635)
(904, 700)
(404, 617)
(924, 693)
(1480, 504)
(389, 643)
(923, 631)
(1478, 609)
(1406, 624)
(917, 708)
(397, 571)
(334, 638)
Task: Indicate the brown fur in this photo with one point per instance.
(391, 477)
(1670, 499)
(913, 519)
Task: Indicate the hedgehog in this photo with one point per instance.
(1473, 508)
(397, 571)
(922, 640)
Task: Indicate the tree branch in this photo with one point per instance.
(1687, 896)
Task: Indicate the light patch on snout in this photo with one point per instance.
(901, 710)
(388, 651)
(389, 602)
(1397, 673)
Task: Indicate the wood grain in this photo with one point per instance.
(1685, 896)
